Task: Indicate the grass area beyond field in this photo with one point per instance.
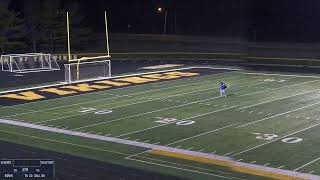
(270, 120)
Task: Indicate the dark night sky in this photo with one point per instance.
(270, 20)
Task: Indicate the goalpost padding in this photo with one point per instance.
(89, 70)
(29, 62)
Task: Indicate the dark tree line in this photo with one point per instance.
(40, 26)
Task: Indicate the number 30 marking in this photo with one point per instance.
(288, 140)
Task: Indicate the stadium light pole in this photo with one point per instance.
(160, 10)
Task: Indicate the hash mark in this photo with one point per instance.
(311, 172)
(260, 112)
(253, 162)
(281, 167)
(267, 164)
(239, 160)
(157, 143)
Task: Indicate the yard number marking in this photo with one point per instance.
(288, 140)
(95, 111)
(164, 120)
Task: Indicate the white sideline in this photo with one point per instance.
(179, 168)
(274, 74)
(307, 164)
(119, 88)
(151, 146)
(113, 77)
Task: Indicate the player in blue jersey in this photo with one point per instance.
(223, 88)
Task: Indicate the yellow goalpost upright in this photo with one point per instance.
(75, 65)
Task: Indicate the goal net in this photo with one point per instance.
(29, 62)
(87, 69)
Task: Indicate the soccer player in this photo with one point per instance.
(223, 88)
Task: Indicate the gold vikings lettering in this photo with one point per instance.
(58, 91)
(28, 96)
(85, 87)
(95, 85)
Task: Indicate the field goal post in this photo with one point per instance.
(28, 62)
(88, 68)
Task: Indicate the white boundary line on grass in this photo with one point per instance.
(119, 88)
(274, 74)
(173, 167)
(279, 99)
(306, 164)
(114, 77)
(146, 145)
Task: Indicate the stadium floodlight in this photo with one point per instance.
(88, 68)
(29, 62)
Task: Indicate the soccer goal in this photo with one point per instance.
(88, 69)
(29, 62)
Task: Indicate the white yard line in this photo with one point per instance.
(258, 146)
(201, 134)
(193, 171)
(298, 168)
(279, 99)
(279, 88)
(280, 114)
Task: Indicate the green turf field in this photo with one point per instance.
(269, 120)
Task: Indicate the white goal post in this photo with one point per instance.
(29, 62)
(87, 70)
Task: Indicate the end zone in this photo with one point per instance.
(233, 165)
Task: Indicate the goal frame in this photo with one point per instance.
(8, 62)
(68, 75)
